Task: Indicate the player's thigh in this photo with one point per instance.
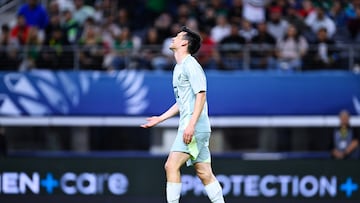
(176, 159)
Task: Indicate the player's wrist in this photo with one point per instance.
(161, 118)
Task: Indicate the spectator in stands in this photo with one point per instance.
(353, 26)
(230, 49)
(9, 56)
(290, 50)
(35, 14)
(89, 24)
(236, 12)
(153, 8)
(221, 29)
(219, 6)
(20, 31)
(319, 19)
(65, 5)
(195, 9)
(337, 14)
(262, 55)
(277, 26)
(99, 12)
(254, 10)
(122, 19)
(123, 46)
(163, 25)
(345, 143)
(82, 12)
(53, 9)
(92, 49)
(56, 54)
(293, 17)
(350, 8)
(306, 9)
(193, 24)
(207, 55)
(32, 50)
(71, 27)
(151, 49)
(109, 30)
(354, 38)
(247, 31)
(54, 24)
(182, 14)
(107, 7)
(209, 17)
(324, 54)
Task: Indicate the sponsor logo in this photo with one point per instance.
(68, 183)
(307, 186)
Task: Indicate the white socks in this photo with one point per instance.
(214, 192)
(173, 191)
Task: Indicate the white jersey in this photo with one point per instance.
(188, 80)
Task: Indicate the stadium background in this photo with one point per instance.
(70, 111)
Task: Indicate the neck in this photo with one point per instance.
(180, 55)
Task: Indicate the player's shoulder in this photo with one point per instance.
(190, 60)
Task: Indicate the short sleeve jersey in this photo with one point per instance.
(188, 80)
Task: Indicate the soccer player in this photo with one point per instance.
(191, 145)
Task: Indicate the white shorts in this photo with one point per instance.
(198, 148)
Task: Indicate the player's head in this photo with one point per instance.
(193, 38)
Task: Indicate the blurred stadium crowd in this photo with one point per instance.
(106, 35)
(285, 35)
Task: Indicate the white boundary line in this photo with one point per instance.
(221, 121)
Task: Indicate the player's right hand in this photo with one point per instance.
(152, 121)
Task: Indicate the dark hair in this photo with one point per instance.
(5, 28)
(322, 29)
(193, 38)
(297, 35)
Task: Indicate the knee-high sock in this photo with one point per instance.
(173, 191)
(214, 192)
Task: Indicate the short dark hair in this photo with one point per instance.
(5, 28)
(193, 38)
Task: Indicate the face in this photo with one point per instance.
(322, 35)
(178, 41)
(291, 31)
(261, 27)
(344, 118)
(32, 2)
(320, 13)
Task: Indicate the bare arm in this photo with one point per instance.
(199, 105)
(154, 120)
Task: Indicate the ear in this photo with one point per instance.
(184, 43)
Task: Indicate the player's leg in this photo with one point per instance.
(202, 164)
(212, 185)
(173, 177)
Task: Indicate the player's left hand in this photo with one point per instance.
(188, 134)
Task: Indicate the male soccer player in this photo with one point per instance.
(191, 145)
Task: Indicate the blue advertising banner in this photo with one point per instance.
(142, 93)
(124, 179)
